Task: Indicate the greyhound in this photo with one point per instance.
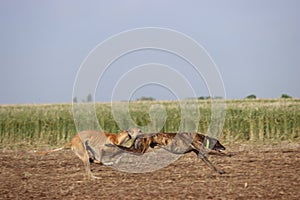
(180, 143)
(90, 145)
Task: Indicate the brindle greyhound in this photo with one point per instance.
(179, 143)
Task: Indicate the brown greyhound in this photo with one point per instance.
(91, 144)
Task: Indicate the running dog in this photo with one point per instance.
(180, 143)
(91, 144)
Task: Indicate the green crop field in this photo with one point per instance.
(266, 120)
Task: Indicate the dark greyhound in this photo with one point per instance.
(180, 143)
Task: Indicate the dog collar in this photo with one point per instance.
(207, 143)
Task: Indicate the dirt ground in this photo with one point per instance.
(255, 172)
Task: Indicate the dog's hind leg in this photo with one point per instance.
(88, 171)
(81, 152)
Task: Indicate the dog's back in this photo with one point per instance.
(179, 143)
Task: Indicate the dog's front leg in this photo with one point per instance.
(217, 153)
(208, 163)
(98, 156)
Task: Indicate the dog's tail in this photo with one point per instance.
(53, 150)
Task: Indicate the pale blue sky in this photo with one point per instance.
(254, 43)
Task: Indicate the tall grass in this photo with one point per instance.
(32, 124)
(246, 120)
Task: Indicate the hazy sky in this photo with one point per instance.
(254, 43)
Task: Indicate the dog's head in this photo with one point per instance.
(123, 138)
(214, 144)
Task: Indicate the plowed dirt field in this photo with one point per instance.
(255, 172)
